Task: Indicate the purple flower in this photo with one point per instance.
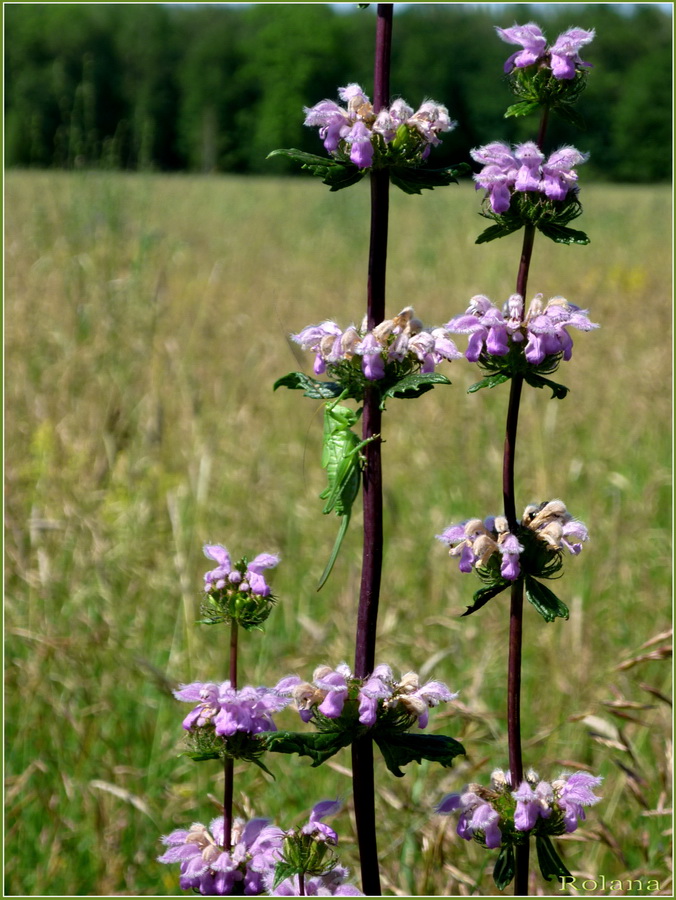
(511, 549)
(418, 700)
(531, 158)
(476, 815)
(373, 364)
(315, 826)
(228, 710)
(378, 686)
(217, 578)
(544, 330)
(559, 176)
(227, 575)
(356, 129)
(525, 170)
(361, 148)
(563, 56)
(531, 39)
(207, 866)
(532, 804)
(335, 685)
(254, 574)
(332, 884)
(573, 792)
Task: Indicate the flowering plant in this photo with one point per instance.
(224, 720)
(541, 75)
(208, 866)
(523, 187)
(501, 817)
(399, 356)
(501, 557)
(359, 140)
(505, 342)
(307, 865)
(237, 592)
(343, 707)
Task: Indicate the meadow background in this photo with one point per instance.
(147, 317)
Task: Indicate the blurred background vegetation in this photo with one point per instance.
(147, 319)
(216, 87)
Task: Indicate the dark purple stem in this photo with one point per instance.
(229, 764)
(516, 603)
(367, 615)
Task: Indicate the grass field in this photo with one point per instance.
(146, 321)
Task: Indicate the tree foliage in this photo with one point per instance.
(216, 87)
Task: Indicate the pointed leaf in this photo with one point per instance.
(493, 232)
(283, 870)
(483, 595)
(319, 746)
(569, 114)
(200, 756)
(489, 381)
(522, 108)
(413, 386)
(559, 391)
(561, 234)
(413, 181)
(551, 864)
(545, 601)
(504, 869)
(316, 390)
(398, 749)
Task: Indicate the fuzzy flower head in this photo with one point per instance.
(208, 867)
(492, 815)
(395, 347)
(237, 591)
(523, 169)
(395, 135)
(488, 545)
(227, 710)
(562, 57)
(542, 335)
(337, 692)
(309, 851)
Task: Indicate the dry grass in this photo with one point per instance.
(146, 322)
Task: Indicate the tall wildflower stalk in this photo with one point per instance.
(379, 360)
(363, 783)
(524, 189)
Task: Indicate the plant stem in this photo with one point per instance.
(229, 763)
(516, 602)
(372, 559)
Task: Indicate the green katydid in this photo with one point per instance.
(343, 461)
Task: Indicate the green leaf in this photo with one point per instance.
(561, 234)
(316, 390)
(551, 864)
(505, 866)
(412, 386)
(334, 172)
(483, 595)
(399, 749)
(569, 114)
(283, 871)
(200, 756)
(522, 108)
(489, 381)
(559, 391)
(493, 232)
(319, 746)
(545, 601)
(415, 180)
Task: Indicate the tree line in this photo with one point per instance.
(215, 88)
